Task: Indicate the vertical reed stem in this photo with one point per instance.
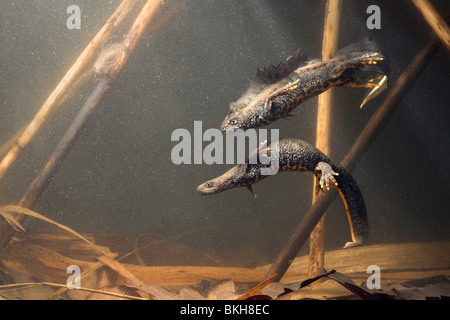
(329, 47)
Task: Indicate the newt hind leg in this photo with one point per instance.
(369, 62)
(368, 82)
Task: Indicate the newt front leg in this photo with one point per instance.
(327, 175)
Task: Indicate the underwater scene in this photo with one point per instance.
(224, 150)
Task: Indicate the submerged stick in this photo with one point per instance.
(63, 85)
(257, 288)
(365, 139)
(436, 22)
(40, 183)
(329, 47)
(25, 285)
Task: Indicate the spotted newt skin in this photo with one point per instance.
(277, 91)
(298, 155)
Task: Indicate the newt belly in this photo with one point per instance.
(277, 91)
(298, 155)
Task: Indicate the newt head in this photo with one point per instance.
(252, 116)
(233, 121)
(233, 178)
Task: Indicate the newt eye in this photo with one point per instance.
(209, 185)
(233, 121)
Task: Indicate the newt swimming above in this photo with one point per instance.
(277, 91)
(298, 155)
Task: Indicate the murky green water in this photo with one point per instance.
(119, 177)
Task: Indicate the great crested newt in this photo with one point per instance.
(277, 91)
(298, 155)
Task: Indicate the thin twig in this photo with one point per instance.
(436, 22)
(257, 288)
(41, 181)
(36, 284)
(65, 83)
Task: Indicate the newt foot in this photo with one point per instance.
(327, 175)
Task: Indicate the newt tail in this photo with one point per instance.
(298, 155)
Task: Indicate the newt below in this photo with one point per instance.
(298, 155)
